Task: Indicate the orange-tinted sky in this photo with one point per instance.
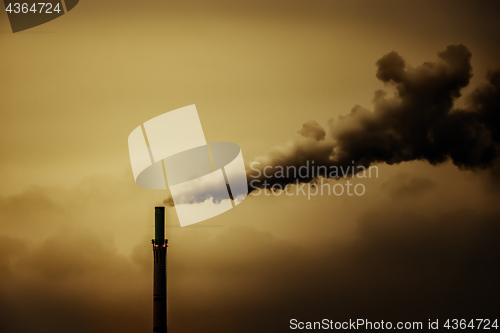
(75, 229)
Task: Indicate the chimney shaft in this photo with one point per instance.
(160, 273)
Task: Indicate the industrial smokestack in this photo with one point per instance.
(160, 273)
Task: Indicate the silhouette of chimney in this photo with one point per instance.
(160, 273)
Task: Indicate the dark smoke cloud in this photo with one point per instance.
(419, 122)
(312, 129)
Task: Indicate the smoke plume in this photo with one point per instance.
(418, 122)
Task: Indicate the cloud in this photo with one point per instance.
(407, 185)
(400, 267)
(77, 281)
(418, 123)
(399, 261)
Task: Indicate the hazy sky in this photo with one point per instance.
(75, 230)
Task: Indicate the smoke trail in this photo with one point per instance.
(418, 123)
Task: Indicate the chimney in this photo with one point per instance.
(160, 273)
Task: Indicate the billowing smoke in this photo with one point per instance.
(417, 122)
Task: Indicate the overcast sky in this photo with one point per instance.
(75, 230)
